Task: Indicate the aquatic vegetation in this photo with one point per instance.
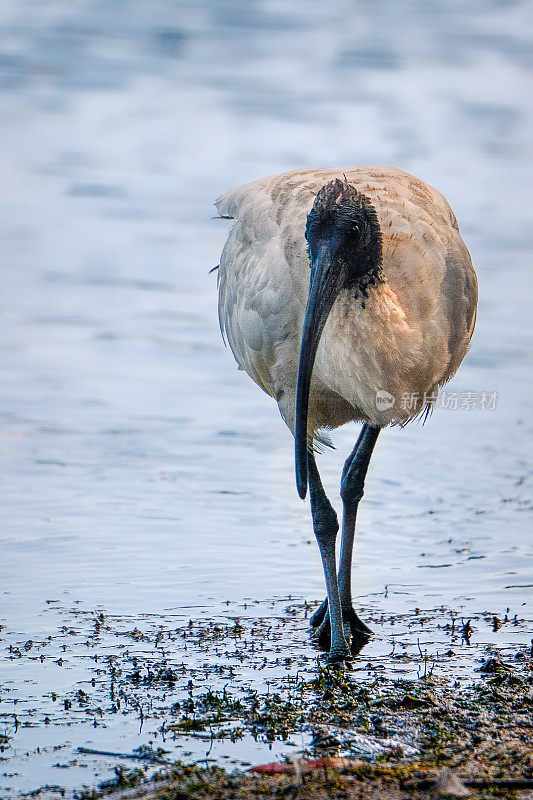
(194, 689)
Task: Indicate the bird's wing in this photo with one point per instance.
(459, 293)
(256, 311)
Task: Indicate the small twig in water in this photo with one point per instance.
(153, 757)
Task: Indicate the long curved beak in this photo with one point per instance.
(324, 286)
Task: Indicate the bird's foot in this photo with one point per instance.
(356, 632)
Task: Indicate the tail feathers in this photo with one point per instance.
(320, 442)
(316, 442)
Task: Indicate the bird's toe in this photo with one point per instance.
(357, 627)
(322, 635)
(317, 618)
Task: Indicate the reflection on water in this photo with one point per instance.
(141, 471)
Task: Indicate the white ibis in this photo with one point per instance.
(345, 295)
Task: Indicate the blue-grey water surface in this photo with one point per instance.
(142, 473)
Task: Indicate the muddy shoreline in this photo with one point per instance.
(474, 741)
(434, 691)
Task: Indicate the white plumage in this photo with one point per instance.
(417, 325)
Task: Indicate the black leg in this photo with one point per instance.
(326, 527)
(352, 489)
(318, 617)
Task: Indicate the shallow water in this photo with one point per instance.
(143, 474)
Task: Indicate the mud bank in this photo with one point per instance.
(197, 705)
(474, 741)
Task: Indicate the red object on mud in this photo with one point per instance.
(275, 768)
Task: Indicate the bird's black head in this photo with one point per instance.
(345, 252)
(344, 223)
